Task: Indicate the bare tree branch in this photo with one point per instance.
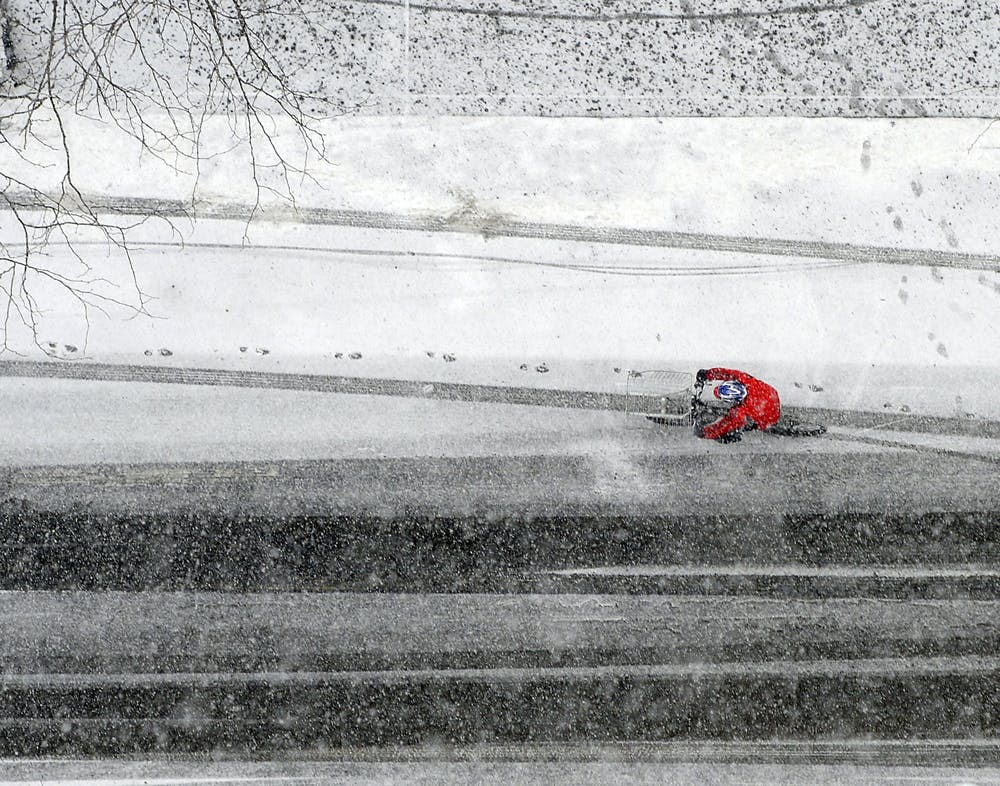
(157, 70)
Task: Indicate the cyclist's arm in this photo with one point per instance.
(731, 421)
(719, 374)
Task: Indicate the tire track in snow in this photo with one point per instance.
(645, 271)
(494, 227)
(901, 444)
(947, 664)
(321, 383)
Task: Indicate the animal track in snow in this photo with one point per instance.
(61, 351)
(949, 233)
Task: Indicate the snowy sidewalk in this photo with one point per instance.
(673, 263)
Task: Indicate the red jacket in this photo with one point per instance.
(761, 405)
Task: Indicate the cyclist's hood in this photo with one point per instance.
(731, 391)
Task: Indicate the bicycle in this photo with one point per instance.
(701, 413)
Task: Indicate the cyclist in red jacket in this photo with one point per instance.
(755, 404)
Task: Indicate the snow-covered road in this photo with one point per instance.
(72, 421)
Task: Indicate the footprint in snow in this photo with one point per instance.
(987, 283)
(164, 352)
(355, 356)
(449, 358)
(816, 388)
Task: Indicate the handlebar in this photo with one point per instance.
(698, 405)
